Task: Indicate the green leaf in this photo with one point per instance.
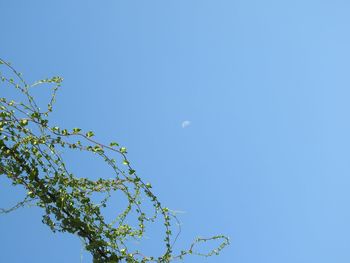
(23, 122)
(76, 130)
(89, 134)
(113, 144)
(122, 150)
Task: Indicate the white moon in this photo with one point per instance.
(185, 124)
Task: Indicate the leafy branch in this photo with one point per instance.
(30, 157)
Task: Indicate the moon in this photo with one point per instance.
(185, 124)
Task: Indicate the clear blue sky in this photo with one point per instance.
(265, 84)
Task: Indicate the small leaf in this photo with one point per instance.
(122, 150)
(23, 122)
(76, 130)
(89, 134)
(113, 144)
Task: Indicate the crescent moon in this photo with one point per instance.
(185, 124)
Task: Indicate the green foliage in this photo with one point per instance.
(30, 157)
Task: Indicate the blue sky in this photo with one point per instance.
(265, 85)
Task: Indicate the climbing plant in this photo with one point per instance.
(31, 156)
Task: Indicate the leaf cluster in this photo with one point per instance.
(30, 156)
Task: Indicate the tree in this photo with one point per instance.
(30, 157)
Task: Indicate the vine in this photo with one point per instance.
(30, 156)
